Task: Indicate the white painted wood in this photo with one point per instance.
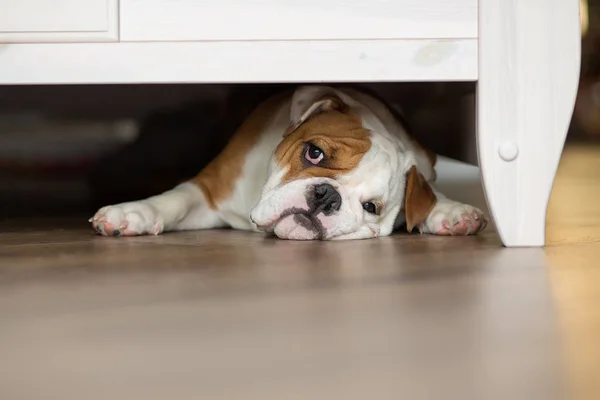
(529, 59)
(223, 62)
(53, 15)
(175, 20)
(23, 21)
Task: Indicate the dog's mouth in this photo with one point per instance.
(297, 224)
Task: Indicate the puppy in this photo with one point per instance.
(314, 163)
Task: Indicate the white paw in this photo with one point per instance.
(127, 219)
(451, 218)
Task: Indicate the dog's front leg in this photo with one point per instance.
(449, 217)
(182, 208)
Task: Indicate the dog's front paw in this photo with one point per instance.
(127, 219)
(455, 219)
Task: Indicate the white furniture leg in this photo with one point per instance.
(529, 60)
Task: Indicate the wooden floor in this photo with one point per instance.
(232, 315)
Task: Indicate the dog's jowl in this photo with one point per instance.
(316, 163)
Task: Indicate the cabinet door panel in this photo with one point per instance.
(58, 20)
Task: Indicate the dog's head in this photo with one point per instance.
(337, 176)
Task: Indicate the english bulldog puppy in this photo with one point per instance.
(315, 163)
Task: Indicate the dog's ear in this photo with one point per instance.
(310, 101)
(419, 199)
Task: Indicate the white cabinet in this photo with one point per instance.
(183, 20)
(525, 55)
(58, 21)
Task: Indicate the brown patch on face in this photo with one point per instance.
(419, 199)
(218, 178)
(340, 135)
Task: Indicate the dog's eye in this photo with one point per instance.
(370, 207)
(313, 154)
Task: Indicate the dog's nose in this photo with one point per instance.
(327, 199)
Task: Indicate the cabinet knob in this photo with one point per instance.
(508, 151)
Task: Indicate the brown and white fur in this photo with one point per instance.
(316, 163)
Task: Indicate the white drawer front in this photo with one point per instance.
(58, 20)
(241, 62)
(182, 20)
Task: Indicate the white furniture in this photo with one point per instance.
(524, 54)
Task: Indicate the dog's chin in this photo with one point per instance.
(297, 227)
(303, 226)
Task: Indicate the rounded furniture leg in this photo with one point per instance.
(529, 63)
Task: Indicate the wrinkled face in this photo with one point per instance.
(332, 179)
